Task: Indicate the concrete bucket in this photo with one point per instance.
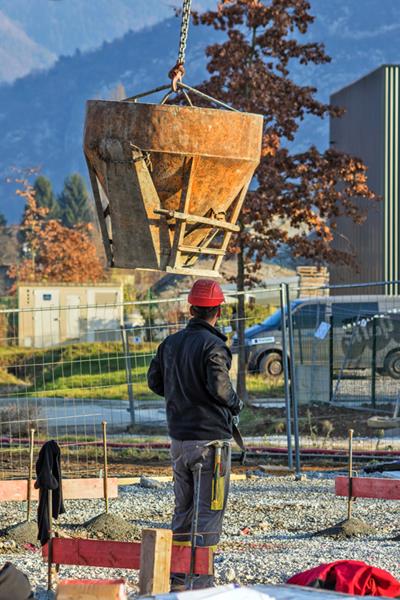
(169, 181)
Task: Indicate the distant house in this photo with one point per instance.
(51, 314)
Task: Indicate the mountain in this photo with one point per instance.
(41, 115)
(53, 28)
(19, 54)
(359, 36)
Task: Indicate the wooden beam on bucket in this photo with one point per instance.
(197, 219)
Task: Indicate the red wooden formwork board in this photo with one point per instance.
(368, 487)
(95, 553)
(122, 555)
(73, 489)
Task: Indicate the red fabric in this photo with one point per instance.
(350, 577)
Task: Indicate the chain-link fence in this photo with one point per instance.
(64, 370)
(346, 369)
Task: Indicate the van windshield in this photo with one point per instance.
(274, 320)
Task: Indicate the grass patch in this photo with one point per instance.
(259, 387)
(94, 371)
(9, 379)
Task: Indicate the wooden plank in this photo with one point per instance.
(189, 169)
(202, 250)
(95, 553)
(168, 478)
(235, 215)
(87, 489)
(174, 214)
(155, 561)
(122, 555)
(368, 487)
(76, 589)
(200, 272)
(16, 491)
(73, 489)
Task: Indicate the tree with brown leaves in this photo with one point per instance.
(301, 192)
(51, 252)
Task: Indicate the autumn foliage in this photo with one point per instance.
(298, 197)
(52, 252)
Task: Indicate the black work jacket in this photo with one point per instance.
(191, 370)
(48, 471)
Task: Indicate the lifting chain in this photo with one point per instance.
(178, 71)
(184, 30)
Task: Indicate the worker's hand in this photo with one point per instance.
(235, 417)
(235, 420)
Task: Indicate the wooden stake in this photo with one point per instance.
(155, 561)
(50, 542)
(349, 499)
(30, 472)
(105, 465)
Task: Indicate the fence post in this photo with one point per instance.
(105, 465)
(30, 471)
(293, 386)
(128, 371)
(331, 359)
(286, 376)
(373, 366)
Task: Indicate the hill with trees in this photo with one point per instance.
(42, 114)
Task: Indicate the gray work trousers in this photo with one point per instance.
(185, 454)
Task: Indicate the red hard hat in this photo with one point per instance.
(206, 292)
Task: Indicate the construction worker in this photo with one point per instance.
(191, 370)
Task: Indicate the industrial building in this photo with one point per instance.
(370, 130)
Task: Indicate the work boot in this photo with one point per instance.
(177, 582)
(203, 581)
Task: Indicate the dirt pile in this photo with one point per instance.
(23, 533)
(112, 527)
(347, 529)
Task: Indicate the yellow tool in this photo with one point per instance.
(218, 482)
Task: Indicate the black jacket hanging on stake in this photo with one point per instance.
(48, 471)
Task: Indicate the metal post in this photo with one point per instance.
(293, 386)
(30, 472)
(128, 371)
(331, 358)
(373, 366)
(349, 499)
(50, 541)
(105, 465)
(189, 583)
(286, 377)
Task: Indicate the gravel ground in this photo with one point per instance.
(267, 530)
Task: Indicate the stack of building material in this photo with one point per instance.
(312, 277)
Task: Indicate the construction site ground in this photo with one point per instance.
(267, 537)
